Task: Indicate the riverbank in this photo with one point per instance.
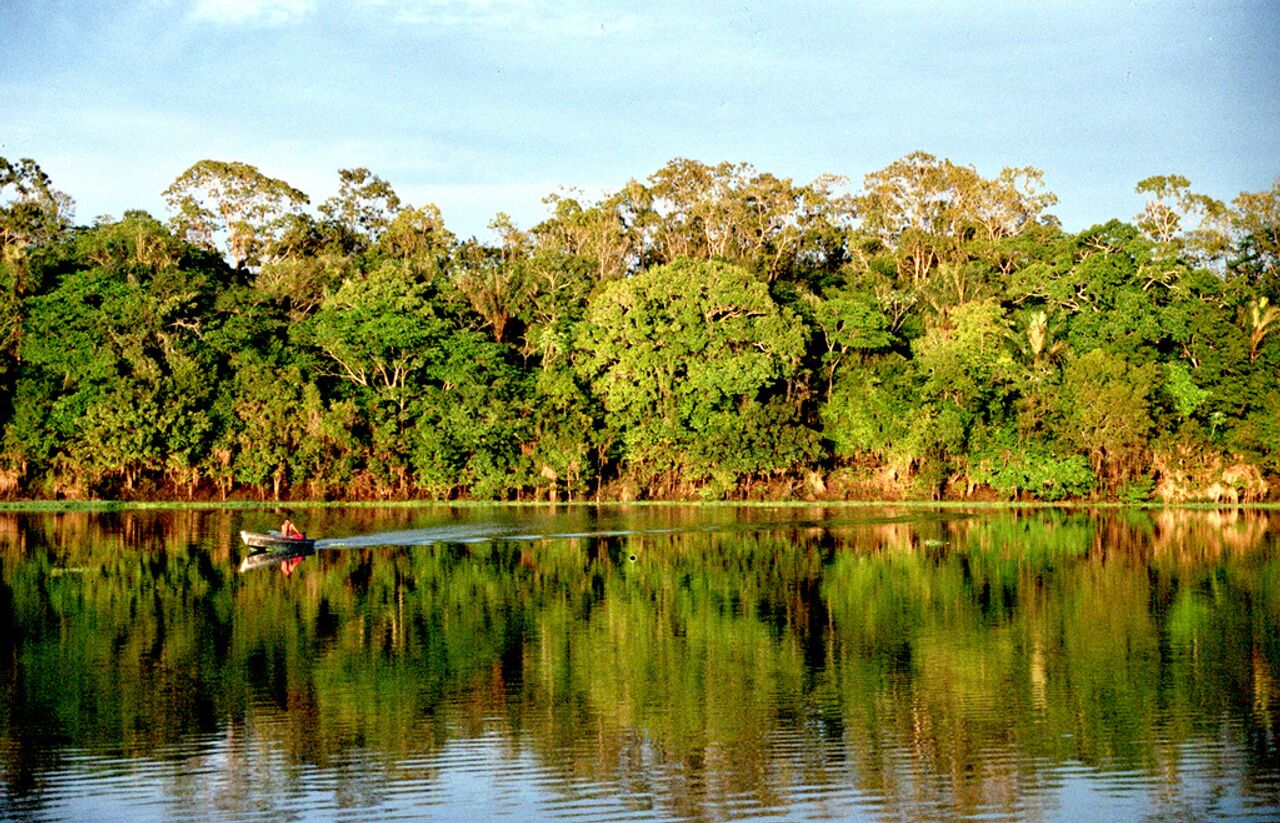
(56, 506)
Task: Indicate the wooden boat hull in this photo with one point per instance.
(273, 549)
(275, 542)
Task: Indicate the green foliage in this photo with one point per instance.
(379, 330)
(870, 409)
(851, 322)
(364, 205)
(563, 433)
(935, 445)
(1105, 407)
(1258, 435)
(1187, 397)
(469, 422)
(214, 197)
(680, 354)
(1136, 491)
(269, 416)
(1015, 469)
(967, 360)
(32, 212)
(121, 339)
(709, 330)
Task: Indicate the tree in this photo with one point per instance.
(1106, 413)
(213, 197)
(1167, 217)
(435, 395)
(609, 235)
(119, 346)
(270, 425)
(869, 409)
(1260, 321)
(967, 361)
(564, 431)
(1100, 289)
(118, 435)
(418, 238)
(1256, 221)
(379, 330)
(1197, 323)
(1011, 204)
(1037, 344)
(471, 420)
(558, 287)
(928, 211)
(677, 352)
(364, 206)
(851, 322)
(32, 214)
(302, 283)
(10, 332)
(493, 280)
(35, 212)
(766, 224)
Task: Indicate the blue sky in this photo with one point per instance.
(481, 106)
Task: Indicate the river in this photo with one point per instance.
(643, 662)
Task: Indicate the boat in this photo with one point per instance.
(273, 549)
(276, 542)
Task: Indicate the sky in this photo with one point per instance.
(487, 106)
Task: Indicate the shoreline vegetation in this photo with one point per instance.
(708, 333)
(112, 506)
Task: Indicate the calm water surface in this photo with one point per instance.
(643, 663)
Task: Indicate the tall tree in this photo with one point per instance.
(32, 211)
(493, 279)
(609, 234)
(1182, 220)
(1256, 220)
(731, 212)
(418, 238)
(213, 197)
(929, 211)
(364, 206)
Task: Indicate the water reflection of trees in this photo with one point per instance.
(946, 666)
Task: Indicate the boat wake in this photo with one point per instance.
(480, 533)
(483, 532)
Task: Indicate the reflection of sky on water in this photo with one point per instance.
(495, 775)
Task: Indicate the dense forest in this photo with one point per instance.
(710, 332)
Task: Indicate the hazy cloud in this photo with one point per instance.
(568, 19)
(261, 12)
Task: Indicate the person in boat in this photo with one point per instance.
(287, 529)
